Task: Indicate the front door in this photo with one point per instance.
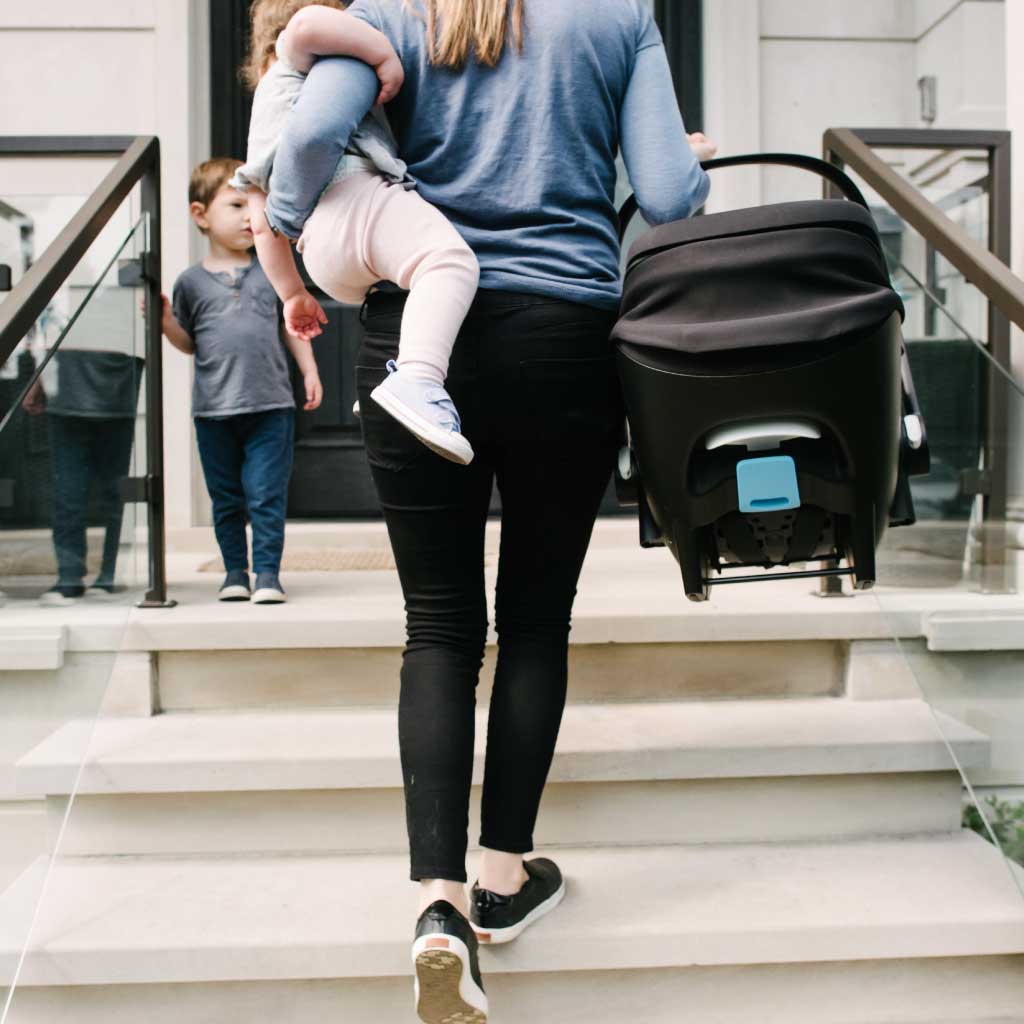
(331, 477)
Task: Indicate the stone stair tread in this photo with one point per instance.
(358, 748)
(155, 920)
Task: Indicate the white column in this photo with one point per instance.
(182, 110)
(732, 97)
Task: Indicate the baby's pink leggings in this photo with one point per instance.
(365, 230)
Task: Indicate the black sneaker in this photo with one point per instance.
(449, 989)
(496, 918)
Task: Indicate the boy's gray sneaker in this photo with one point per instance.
(235, 586)
(426, 411)
(268, 589)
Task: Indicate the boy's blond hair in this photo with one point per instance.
(267, 20)
(209, 177)
(457, 29)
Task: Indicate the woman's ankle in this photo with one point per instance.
(502, 872)
(433, 889)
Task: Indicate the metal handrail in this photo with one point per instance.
(981, 267)
(138, 163)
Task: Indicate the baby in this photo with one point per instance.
(369, 224)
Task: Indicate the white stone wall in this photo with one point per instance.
(85, 67)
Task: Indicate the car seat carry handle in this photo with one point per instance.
(823, 168)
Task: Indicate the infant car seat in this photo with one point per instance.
(772, 417)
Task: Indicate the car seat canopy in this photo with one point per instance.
(785, 274)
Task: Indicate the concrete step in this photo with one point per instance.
(210, 920)
(980, 990)
(655, 773)
(337, 676)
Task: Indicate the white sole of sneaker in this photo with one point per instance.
(267, 595)
(453, 447)
(57, 600)
(234, 593)
(496, 936)
(445, 990)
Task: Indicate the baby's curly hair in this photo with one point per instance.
(267, 20)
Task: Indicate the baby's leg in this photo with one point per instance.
(411, 243)
(332, 242)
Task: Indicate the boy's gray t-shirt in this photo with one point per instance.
(240, 362)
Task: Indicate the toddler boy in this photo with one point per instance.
(226, 314)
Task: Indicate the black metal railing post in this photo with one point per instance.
(156, 597)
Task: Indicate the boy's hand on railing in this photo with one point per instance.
(702, 146)
(391, 75)
(303, 316)
(314, 391)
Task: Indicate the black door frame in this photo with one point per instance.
(230, 100)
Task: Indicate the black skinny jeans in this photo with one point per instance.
(534, 381)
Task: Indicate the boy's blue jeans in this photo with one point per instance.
(247, 463)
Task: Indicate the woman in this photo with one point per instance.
(510, 118)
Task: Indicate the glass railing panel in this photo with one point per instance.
(959, 569)
(73, 558)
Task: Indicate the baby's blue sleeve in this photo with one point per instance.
(338, 93)
(663, 170)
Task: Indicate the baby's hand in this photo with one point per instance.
(314, 390)
(303, 316)
(391, 75)
(702, 146)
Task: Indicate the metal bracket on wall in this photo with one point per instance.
(137, 272)
(5, 278)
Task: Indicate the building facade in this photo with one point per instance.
(771, 75)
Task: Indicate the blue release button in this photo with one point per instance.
(768, 484)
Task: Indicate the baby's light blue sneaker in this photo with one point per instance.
(426, 411)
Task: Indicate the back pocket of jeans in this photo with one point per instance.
(388, 444)
(571, 398)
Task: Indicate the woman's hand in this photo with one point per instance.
(702, 146)
(391, 75)
(303, 317)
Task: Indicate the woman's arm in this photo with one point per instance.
(318, 31)
(663, 170)
(336, 96)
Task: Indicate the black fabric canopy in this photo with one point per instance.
(770, 275)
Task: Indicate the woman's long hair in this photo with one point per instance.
(459, 29)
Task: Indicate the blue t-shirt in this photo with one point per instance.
(520, 157)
